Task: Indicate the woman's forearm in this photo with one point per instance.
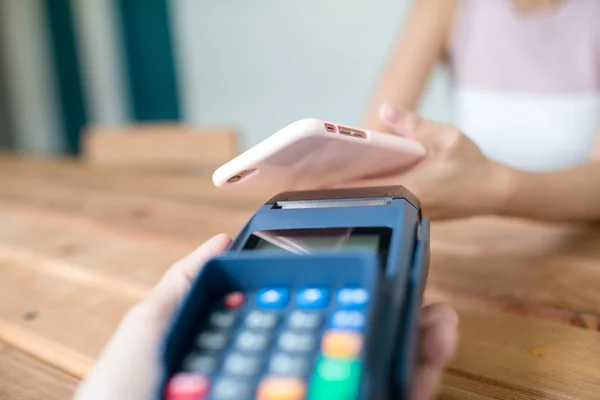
(421, 46)
(571, 195)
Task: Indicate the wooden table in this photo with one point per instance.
(80, 245)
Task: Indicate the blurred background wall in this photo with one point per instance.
(257, 65)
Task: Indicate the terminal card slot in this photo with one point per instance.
(296, 204)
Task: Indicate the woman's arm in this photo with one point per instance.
(596, 152)
(571, 195)
(421, 47)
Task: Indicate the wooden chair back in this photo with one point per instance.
(159, 146)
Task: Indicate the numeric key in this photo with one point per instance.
(304, 320)
(222, 319)
(231, 389)
(285, 364)
(240, 364)
(261, 320)
(297, 342)
(200, 363)
(252, 341)
(213, 341)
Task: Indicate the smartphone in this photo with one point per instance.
(313, 153)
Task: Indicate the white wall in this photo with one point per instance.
(262, 64)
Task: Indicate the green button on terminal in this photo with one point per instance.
(335, 379)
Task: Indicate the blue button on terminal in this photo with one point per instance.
(347, 320)
(352, 298)
(312, 298)
(272, 298)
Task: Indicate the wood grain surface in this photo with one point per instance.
(79, 245)
(519, 358)
(23, 377)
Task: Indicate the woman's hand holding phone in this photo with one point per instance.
(437, 162)
(454, 180)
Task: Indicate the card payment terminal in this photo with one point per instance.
(318, 297)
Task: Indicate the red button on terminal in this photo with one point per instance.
(234, 300)
(187, 386)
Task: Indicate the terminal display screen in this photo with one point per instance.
(308, 241)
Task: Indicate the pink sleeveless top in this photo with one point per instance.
(528, 86)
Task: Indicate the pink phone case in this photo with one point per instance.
(312, 153)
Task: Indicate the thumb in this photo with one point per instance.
(166, 296)
(433, 135)
(401, 122)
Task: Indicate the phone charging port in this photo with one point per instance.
(330, 128)
(352, 132)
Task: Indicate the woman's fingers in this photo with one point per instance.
(399, 121)
(439, 328)
(390, 115)
(409, 124)
(437, 343)
(437, 137)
